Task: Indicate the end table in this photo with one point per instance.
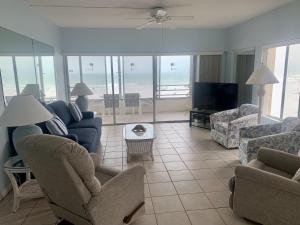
(29, 189)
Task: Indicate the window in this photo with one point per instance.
(8, 77)
(73, 70)
(282, 99)
(174, 76)
(26, 71)
(292, 87)
(18, 71)
(48, 78)
(138, 72)
(94, 75)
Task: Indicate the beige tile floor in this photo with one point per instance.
(186, 184)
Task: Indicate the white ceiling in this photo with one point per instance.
(207, 13)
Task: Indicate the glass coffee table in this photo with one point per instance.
(141, 142)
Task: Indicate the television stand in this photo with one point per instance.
(201, 118)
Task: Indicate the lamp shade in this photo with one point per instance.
(24, 110)
(262, 75)
(81, 89)
(32, 89)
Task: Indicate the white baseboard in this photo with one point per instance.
(5, 191)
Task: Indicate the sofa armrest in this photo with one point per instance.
(119, 197)
(87, 115)
(224, 116)
(266, 179)
(260, 130)
(72, 137)
(245, 121)
(279, 160)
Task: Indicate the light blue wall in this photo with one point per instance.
(17, 16)
(281, 25)
(278, 26)
(132, 41)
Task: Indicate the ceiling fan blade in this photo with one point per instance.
(182, 17)
(137, 18)
(85, 7)
(145, 25)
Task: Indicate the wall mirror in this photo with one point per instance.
(26, 67)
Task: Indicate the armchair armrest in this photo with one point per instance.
(87, 115)
(224, 116)
(245, 121)
(119, 197)
(260, 130)
(72, 137)
(269, 180)
(279, 160)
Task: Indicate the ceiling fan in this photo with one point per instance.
(160, 16)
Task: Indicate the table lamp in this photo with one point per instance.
(82, 91)
(32, 89)
(261, 76)
(24, 112)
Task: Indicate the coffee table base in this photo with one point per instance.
(139, 147)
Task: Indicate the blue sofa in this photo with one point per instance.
(86, 132)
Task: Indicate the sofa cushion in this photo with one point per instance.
(56, 126)
(290, 124)
(247, 109)
(87, 123)
(85, 136)
(221, 127)
(75, 112)
(61, 109)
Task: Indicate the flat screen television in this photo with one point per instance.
(215, 96)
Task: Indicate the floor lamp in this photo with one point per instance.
(260, 77)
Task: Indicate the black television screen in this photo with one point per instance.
(215, 96)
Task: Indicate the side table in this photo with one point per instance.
(29, 189)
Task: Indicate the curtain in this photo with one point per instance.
(209, 68)
(244, 68)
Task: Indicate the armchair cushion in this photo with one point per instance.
(296, 177)
(262, 166)
(290, 124)
(247, 109)
(224, 116)
(221, 127)
(260, 130)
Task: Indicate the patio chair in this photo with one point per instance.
(110, 101)
(132, 100)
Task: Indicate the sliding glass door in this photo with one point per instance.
(173, 92)
(282, 100)
(124, 87)
(136, 89)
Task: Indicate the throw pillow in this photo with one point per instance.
(75, 112)
(297, 176)
(56, 126)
